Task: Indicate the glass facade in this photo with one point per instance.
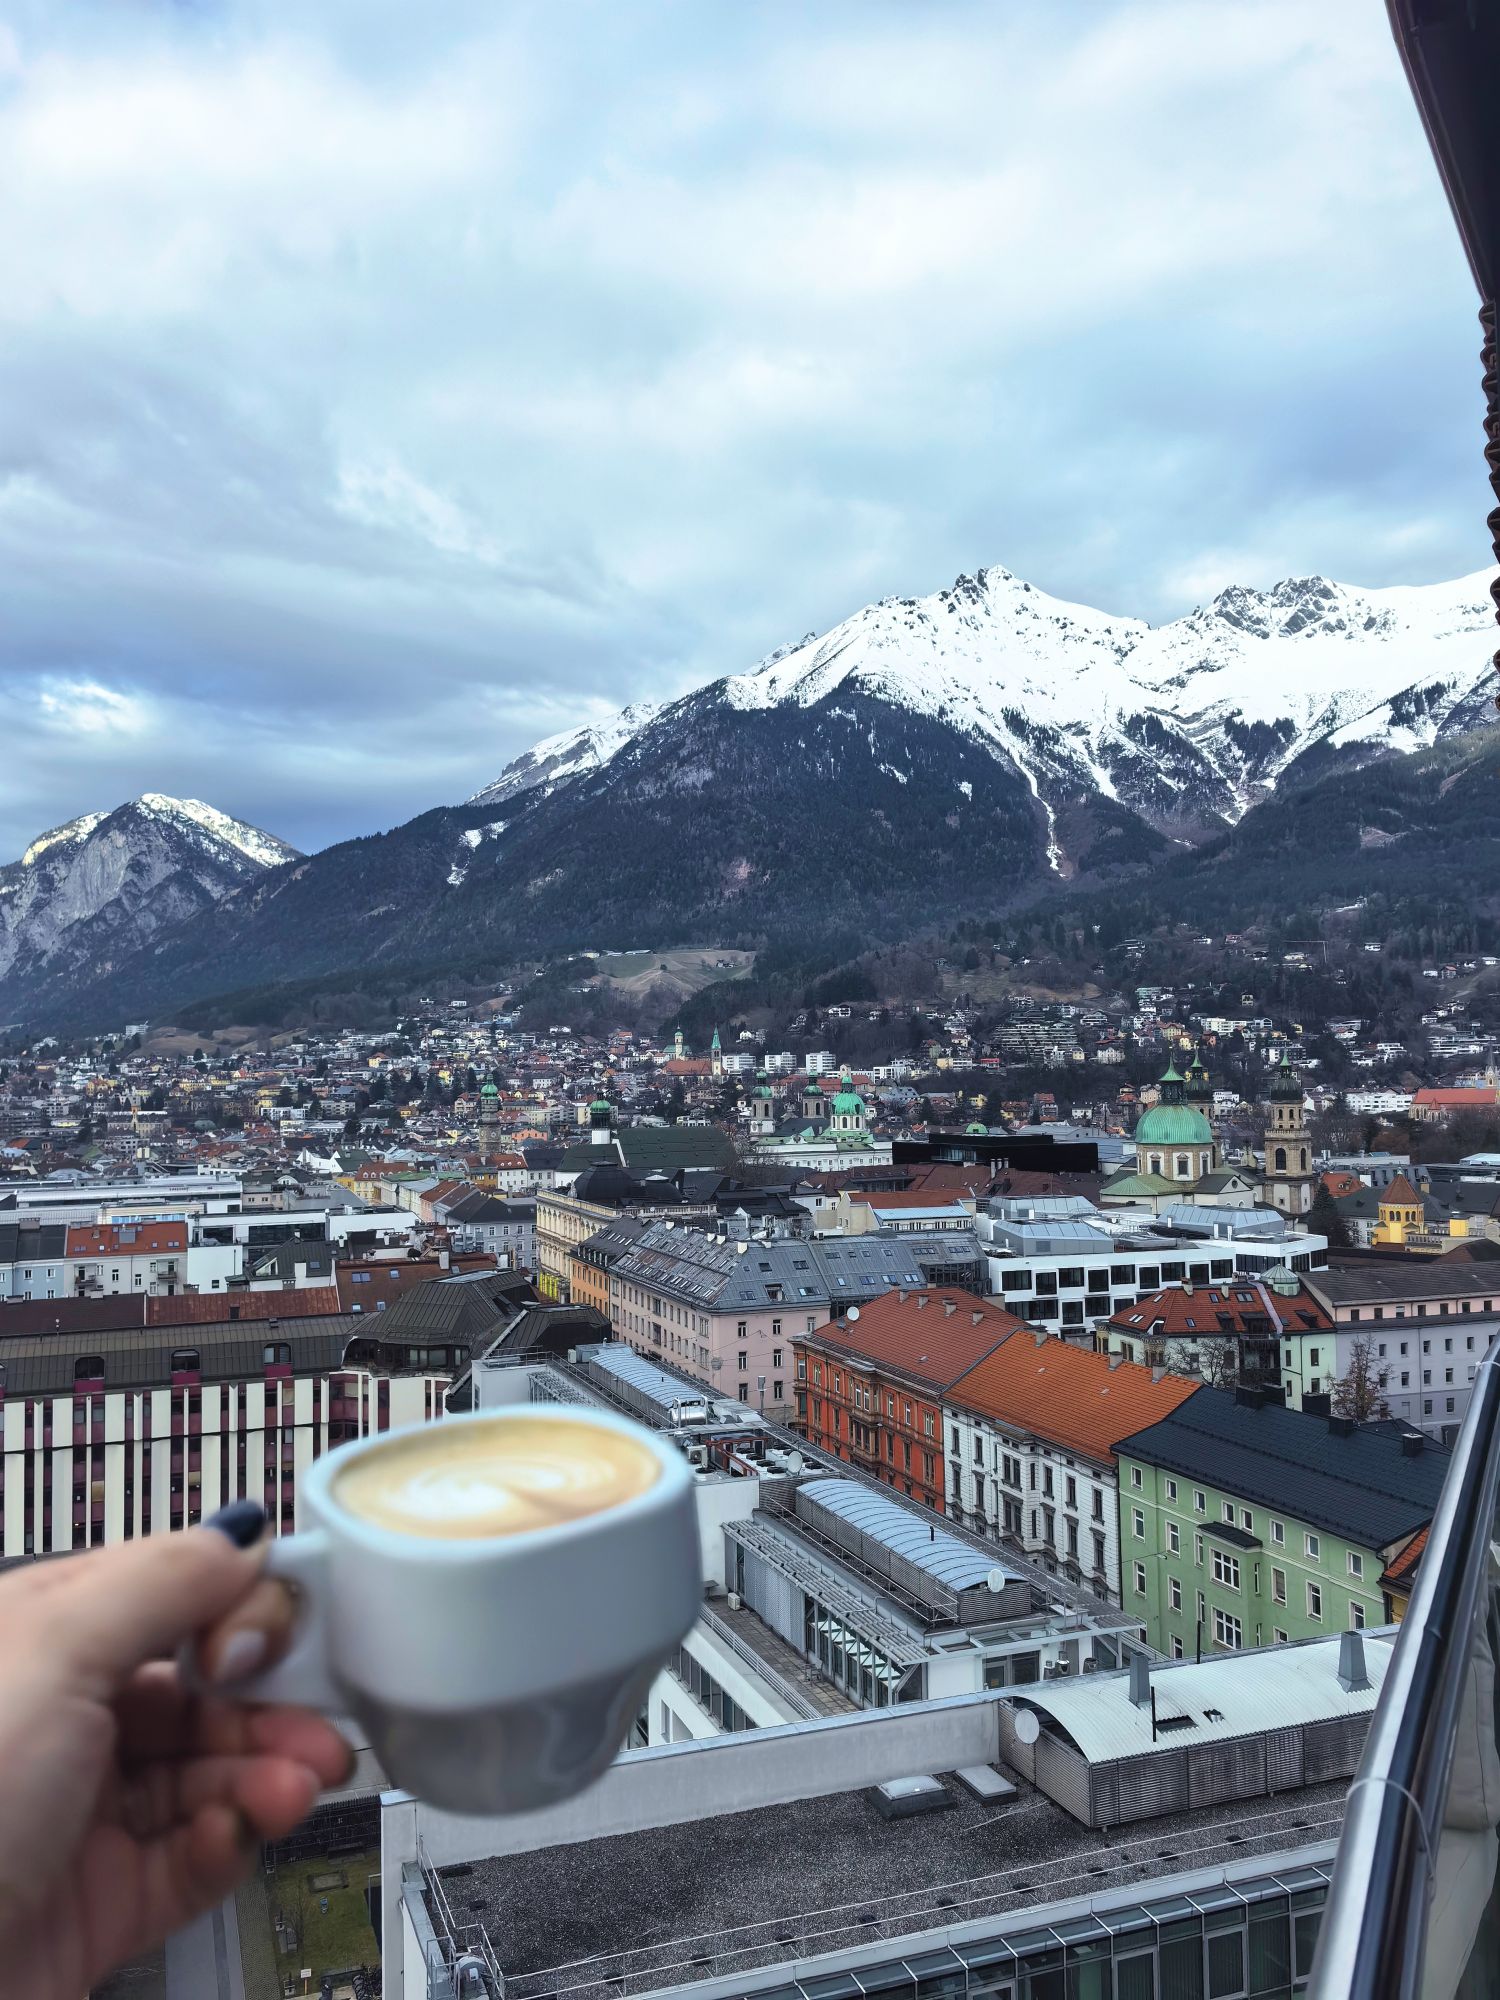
(1251, 1940)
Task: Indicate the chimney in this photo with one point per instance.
(1413, 1444)
(1158, 1373)
(1352, 1675)
(902, 1297)
(1039, 1335)
(975, 1318)
(1114, 1361)
(1251, 1394)
(1341, 1427)
(1140, 1680)
(950, 1307)
(921, 1301)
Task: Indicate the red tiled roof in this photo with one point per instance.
(1399, 1193)
(1070, 1395)
(1470, 1097)
(931, 1337)
(125, 1239)
(1338, 1183)
(1193, 1309)
(1402, 1568)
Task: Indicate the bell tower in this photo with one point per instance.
(1289, 1179)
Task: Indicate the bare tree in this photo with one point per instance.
(1219, 1363)
(1360, 1391)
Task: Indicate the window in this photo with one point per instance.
(1279, 1636)
(1174, 1593)
(1356, 1564)
(1177, 1654)
(1140, 1577)
(184, 1360)
(1200, 1504)
(1278, 1532)
(1315, 1601)
(1229, 1512)
(1278, 1586)
(1171, 1489)
(1174, 1538)
(1138, 1523)
(1226, 1570)
(1135, 1476)
(1227, 1630)
(1312, 1546)
(1356, 1615)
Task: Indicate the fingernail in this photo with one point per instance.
(244, 1521)
(242, 1653)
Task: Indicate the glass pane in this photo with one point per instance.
(1226, 1965)
(1305, 1928)
(1135, 1978)
(1270, 1952)
(1181, 1964)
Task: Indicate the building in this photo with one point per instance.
(1433, 1105)
(1416, 1329)
(1289, 1178)
(1247, 1524)
(646, 1149)
(1030, 1431)
(871, 1382)
(593, 1260)
(1061, 1263)
(1227, 1334)
(1176, 1153)
(727, 1310)
(503, 1229)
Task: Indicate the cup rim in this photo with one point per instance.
(674, 1477)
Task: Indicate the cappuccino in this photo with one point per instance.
(473, 1481)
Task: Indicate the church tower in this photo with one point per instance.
(1290, 1179)
(716, 1056)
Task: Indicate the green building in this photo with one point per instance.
(1243, 1523)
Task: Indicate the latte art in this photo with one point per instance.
(503, 1478)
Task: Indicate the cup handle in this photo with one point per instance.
(301, 1676)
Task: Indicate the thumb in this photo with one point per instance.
(116, 1608)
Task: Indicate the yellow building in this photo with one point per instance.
(1404, 1224)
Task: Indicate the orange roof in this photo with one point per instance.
(1339, 1183)
(125, 1239)
(1467, 1098)
(1399, 1193)
(922, 1197)
(930, 1336)
(1069, 1395)
(1402, 1568)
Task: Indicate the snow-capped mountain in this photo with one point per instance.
(1187, 724)
(572, 754)
(91, 892)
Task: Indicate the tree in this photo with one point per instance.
(1360, 1391)
(1324, 1218)
(1218, 1362)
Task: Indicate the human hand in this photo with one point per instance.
(129, 1804)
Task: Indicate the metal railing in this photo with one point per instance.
(1413, 1908)
(779, 1685)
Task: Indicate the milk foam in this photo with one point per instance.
(498, 1478)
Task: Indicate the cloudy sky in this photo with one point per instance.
(383, 387)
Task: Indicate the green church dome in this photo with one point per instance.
(1173, 1125)
(490, 1090)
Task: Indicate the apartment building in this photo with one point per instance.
(727, 1310)
(872, 1382)
(1418, 1329)
(1030, 1432)
(1245, 1524)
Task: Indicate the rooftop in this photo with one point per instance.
(1068, 1394)
(1365, 1483)
(928, 1335)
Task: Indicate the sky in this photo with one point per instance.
(385, 387)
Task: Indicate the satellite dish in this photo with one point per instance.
(995, 1580)
(795, 1461)
(854, 1312)
(1028, 1729)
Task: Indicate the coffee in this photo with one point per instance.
(473, 1481)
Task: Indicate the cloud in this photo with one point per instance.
(382, 388)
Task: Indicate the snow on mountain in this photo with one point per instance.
(1188, 724)
(104, 883)
(559, 759)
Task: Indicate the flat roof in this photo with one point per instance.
(1227, 1695)
(741, 1891)
(1429, 1278)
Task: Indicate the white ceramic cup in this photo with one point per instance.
(495, 1674)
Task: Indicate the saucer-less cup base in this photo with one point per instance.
(528, 1754)
(491, 1675)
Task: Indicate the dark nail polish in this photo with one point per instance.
(244, 1521)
